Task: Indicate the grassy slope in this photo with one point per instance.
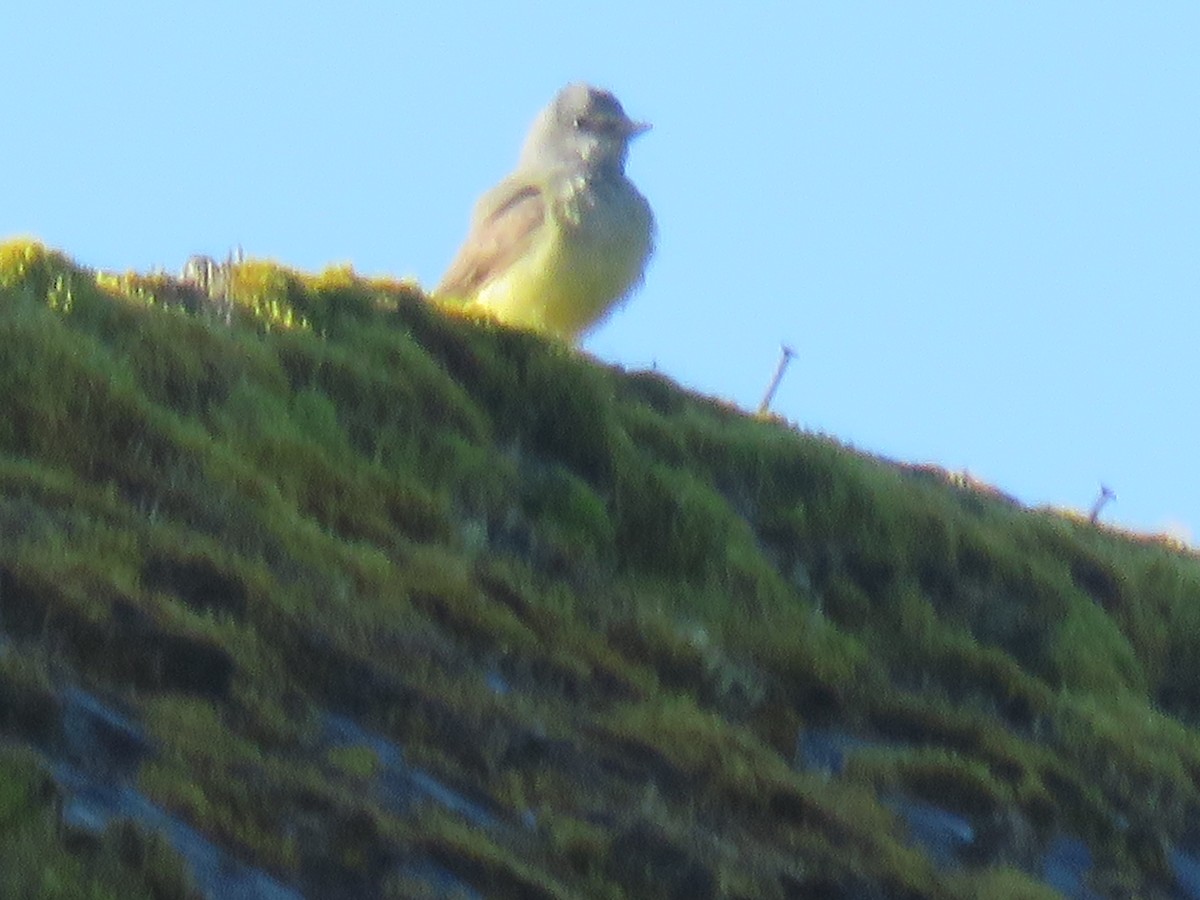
(346, 501)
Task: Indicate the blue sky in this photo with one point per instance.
(977, 224)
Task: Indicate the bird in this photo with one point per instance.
(565, 238)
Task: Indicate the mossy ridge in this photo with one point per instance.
(245, 454)
(827, 514)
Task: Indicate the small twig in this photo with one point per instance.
(786, 358)
(1101, 502)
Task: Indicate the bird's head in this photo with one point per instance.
(582, 123)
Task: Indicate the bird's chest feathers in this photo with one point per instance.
(607, 232)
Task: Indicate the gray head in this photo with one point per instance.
(582, 124)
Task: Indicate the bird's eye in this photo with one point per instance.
(577, 122)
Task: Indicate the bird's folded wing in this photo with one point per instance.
(502, 229)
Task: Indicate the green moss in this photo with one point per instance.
(585, 848)
(943, 778)
(357, 762)
(23, 786)
(30, 269)
(557, 585)
(488, 868)
(224, 811)
(566, 508)
(669, 524)
(1002, 883)
(122, 862)
(1142, 762)
(719, 766)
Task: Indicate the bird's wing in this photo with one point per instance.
(505, 221)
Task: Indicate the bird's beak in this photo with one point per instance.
(633, 129)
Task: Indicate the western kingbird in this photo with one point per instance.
(559, 242)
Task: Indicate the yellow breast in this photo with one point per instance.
(590, 252)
